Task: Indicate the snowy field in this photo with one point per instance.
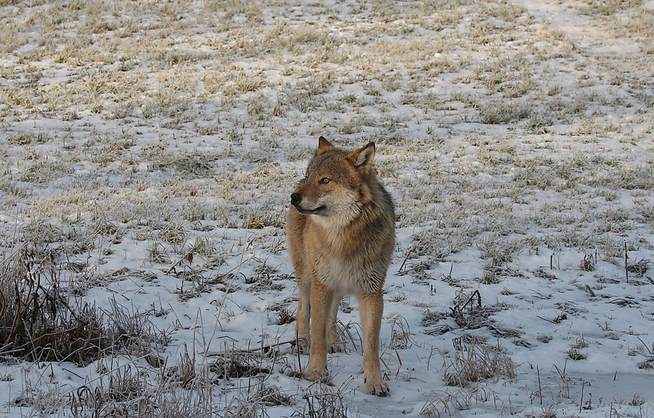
(149, 149)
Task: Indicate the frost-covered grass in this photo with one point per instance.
(148, 152)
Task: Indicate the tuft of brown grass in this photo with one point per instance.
(478, 363)
(125, 391)
(325, 405)
(234, 364)
(253, 401)
(285, 316)
(449, 403)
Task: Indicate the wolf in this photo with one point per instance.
(341, 236)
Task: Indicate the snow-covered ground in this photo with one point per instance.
(149, 150)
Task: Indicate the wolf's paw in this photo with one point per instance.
(379, 388)
(302, 345)
(316, 375)
(337, 347)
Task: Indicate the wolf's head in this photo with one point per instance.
(337, 182)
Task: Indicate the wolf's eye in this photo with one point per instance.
(325, 180)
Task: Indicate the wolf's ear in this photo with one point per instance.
(324, 145)
(362, 157)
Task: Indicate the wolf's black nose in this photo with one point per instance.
(296, 198)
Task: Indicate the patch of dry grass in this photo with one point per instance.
(41, 322)
(37, 322)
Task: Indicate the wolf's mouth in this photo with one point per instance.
(316, 211)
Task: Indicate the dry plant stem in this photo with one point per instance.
(263, 348)
(540, 387)
(626, 263)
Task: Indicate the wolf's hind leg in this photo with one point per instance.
(336, 339)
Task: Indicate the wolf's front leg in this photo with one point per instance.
(321, 302)
(371, 309)
(303, 314)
